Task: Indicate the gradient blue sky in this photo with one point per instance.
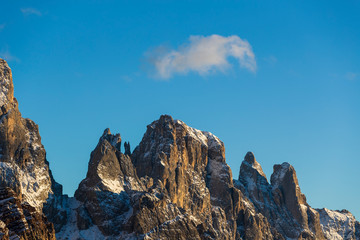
(81, 66)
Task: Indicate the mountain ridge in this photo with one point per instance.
(175, 184)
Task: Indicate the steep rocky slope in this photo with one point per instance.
(19, 220)
(174, 185)
(281, 202)
(24, 172)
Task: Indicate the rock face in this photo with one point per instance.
(24, 171)
(20, 220)
(281, 202)
(174, 185)
(22, 156)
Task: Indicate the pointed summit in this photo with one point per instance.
(107, 166)
(286, 192)
(114, 140)
(104, 192)
(250, 162)
(251, 175)
(284, 177)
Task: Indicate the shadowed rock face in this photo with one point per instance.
(104, 193)
(20, 220)
(174, 185)
(281, 202)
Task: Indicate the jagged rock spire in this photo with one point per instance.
(281, 201)
(250, 169)
(127, 148)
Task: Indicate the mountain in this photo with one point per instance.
(25, 179)
(176, 184)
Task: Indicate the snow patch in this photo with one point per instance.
(194, 133)
(34, 183)
(113, 185)
(71, 232)
(4, 90)
(337, 225)
(205, 138)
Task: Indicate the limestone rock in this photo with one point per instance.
(281, 202)
(20, 220)
(22, 156)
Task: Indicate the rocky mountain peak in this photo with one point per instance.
(250, 158)
(286, 193)
(251, 168)
(114, 140)
(104, 166)
(284, 177)
(281, 202)
(22, 156)
(24, 170)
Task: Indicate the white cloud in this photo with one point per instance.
(30, 11)
(203, 55)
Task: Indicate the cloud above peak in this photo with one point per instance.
(203, 55)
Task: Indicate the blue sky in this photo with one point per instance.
(81, 66)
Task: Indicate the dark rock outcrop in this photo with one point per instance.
(20, 220)
(127, 148)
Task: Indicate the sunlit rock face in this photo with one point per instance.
(176, 184)
(24, 171)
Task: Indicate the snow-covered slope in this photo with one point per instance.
(338, 225)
